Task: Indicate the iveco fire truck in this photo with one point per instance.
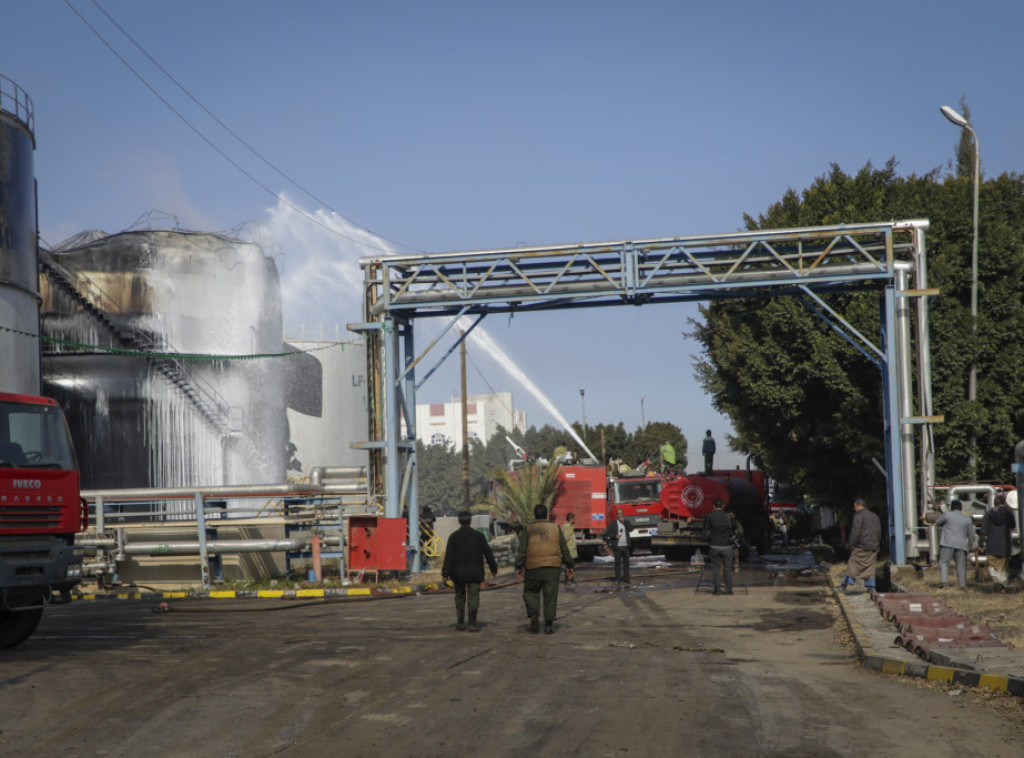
(41, 510)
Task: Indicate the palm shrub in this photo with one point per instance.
(520, 490)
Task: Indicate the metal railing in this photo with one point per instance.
(15, 102)
(141, 522)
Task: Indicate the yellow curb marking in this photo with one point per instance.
(940, 674)
(994, 681)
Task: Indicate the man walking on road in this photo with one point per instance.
(542, 552)
(955, 540)
(719, 531)
(464, 558)
(865, 537)
(618, 543)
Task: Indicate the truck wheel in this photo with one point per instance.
(17, 626)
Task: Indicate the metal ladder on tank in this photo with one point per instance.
(206, 400)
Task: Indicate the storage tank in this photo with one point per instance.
(155, 409)
(327, 404)
(19, 278)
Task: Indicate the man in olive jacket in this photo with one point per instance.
(464, 557)
(542, 551)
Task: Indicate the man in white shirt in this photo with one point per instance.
(619, 543)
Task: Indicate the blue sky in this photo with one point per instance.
(443, 126)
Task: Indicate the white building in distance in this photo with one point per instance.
(441, 423)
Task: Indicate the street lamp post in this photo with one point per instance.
(583, 403)
(972, 379)
(643, 422)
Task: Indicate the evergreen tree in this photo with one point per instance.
(808, 405)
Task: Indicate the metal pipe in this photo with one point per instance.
(924, 382)
(1018, 469)
(98, 515)
(906, 406)
(216, 546)
(318, 474)
(204, 556)
(86, 541)
(291, 489)
(232, 490)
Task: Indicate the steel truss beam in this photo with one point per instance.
(805, 262)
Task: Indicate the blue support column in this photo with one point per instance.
(392, 508)
(893, 425)
(410, 432)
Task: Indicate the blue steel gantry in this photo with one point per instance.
(805, 262)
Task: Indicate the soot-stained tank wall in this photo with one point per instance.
(200, 420)
(19, 279)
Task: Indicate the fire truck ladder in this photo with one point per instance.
(805, 262)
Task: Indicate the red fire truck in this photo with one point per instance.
(41, 510)
(665, 512)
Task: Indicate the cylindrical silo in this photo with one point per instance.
(327, 404)
(19, 274)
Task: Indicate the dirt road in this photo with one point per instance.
(656, 670)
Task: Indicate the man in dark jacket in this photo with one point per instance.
(997, 539)
(865, 539)
(708, 450)
(464, 558)
(719, 531)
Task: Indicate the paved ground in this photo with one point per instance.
(656, 670)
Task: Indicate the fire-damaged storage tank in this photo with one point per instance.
(19, 280)
(153, 326)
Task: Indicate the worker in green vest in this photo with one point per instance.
(668, 457)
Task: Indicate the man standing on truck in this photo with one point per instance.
(708, 449)
(618, 543)
(668, 458)
(719, 531)
(464, 557)
(542, 552)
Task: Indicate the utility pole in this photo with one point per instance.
(584, 404)
(465, 429)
